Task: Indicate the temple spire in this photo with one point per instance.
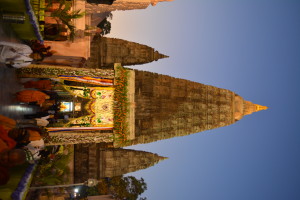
(107, 51)
(158, 56)
(250, 107)
(243, 107)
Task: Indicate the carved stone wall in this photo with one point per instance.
(118, 5)
(107, 51)
(167, 107)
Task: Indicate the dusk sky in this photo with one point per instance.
(250, 47)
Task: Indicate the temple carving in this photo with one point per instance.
(107, 51)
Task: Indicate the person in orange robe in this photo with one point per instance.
(9, 157)
(7, 123)
(6, 143)
(32, 96)
(41, 84)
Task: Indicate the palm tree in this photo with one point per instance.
(64, 15)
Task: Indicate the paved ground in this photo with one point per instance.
(9, 83)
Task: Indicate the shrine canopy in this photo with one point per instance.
(100, 108)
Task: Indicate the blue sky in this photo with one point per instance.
(250, 47)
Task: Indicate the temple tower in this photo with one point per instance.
(95, 161)
(107, 51)
(167, 107)
(121, 5)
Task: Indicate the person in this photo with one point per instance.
(34, 122)
(4, 174)
(47, 104)
(34, 147)
(8, 156)
(53, 95)
(30, 140)
(28, 96)
(20, 135)
(41, 49)
(43, 121)
(7, 123)
(38, 47)
(40, 84)
(15, 54)
(5, 141)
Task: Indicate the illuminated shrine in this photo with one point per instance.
(87, 103)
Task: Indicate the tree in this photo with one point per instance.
(105, 26)
(126, 188)
(86, 191)
(64, 15)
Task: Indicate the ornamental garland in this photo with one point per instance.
(76, 139)
(48, 71)
(120, 105)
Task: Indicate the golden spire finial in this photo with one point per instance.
(250, 107)
(259, 107)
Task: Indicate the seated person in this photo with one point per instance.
(5, 141)
(23, 136)
(7, 123)
(34, 148)
(6, 144)
(30, 140)
(28, 96)
(15, 54)
(20, 135)
(40, 84)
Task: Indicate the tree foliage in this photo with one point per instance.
(64, 14)
(89, 191)
(105, 26)
(126, 188)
